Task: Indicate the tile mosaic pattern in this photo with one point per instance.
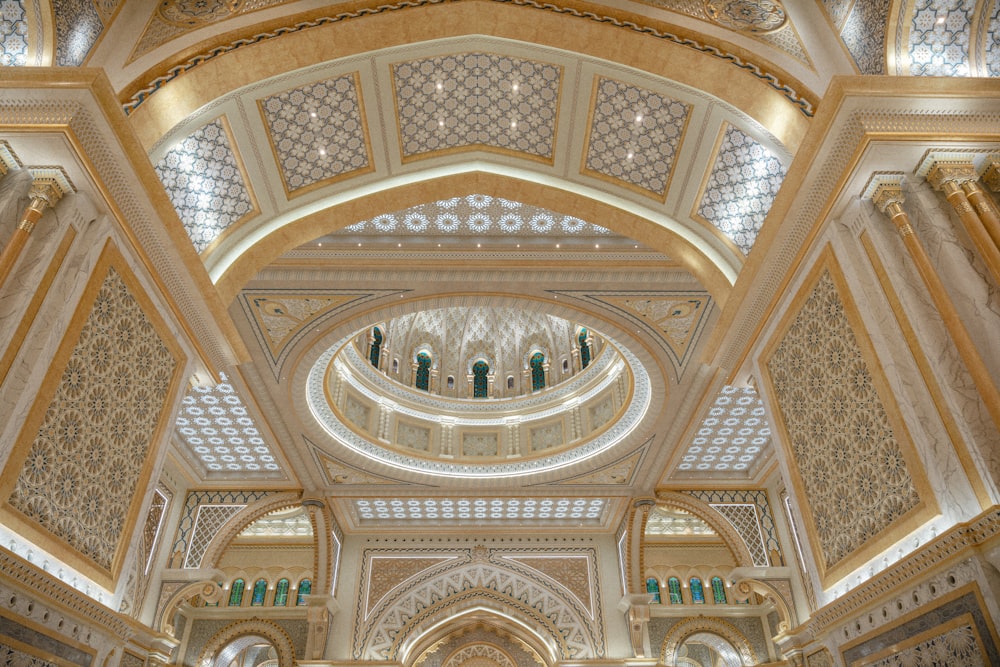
(202, 177)
(864, 34)
(855, 479)
(220, 434)
(634, 135)
(12, 657)
(741, 188)
(13, 34)
(991, 54)
(936, 47)
(476, 100)
(78, 25)
(733, 436)
(476, 215)
(317, 131)
(82, 468)
(837, 11)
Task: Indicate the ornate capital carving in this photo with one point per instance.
(8, 159)
(885, 189)
(951, 171)
(49, 184)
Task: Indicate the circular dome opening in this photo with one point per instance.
(478, 391)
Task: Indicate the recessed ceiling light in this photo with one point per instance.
(638, 118)
(630, 155)
(312, 114)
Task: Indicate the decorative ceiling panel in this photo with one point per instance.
(733, 436)
(14, 35)
(204, 180)
(218, 431)
(675, 522)
(476, 100)
(939, 37)
(318, 132)
(481, 509)
(741, 187)
(634, 135)
(78, 26)
(476, 215)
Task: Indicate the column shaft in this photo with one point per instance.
(987, 249)
(953, 323)
(985, 209)
(15, 246)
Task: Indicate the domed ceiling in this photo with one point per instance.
(451, 420)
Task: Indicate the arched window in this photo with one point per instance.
(423, 371)
(584, 348)
(375, 351)
(697, 592)
(674, 590)
(451, 382)
(537, 364)
(510, 381)
(281, 593)
(236, 593)
(259, 591)
(480, 384)
(305, 588)
(653, 586)
(718, 590)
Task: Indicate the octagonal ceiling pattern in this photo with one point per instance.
(297, 141)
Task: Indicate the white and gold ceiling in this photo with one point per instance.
(611, 165)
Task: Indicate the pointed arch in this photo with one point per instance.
(254, 627)
(390, 630)
(718, 523)
(701, 624)
(246, 516)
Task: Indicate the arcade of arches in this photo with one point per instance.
(499, 334)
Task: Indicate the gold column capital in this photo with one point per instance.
(951, 171)
(991, 174)
(885, 189)
(49, 184)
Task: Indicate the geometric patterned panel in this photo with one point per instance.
(207, 522)
(476, 215)
(78, 26)
(765, 521)
(991, 50)
(741, 188)
(734, 435)
(317, 131)
(634, 135)
(940, 47)
(385, 573)
(84, 462)
(219, 432)
(573, 572)
(476, 100)
(845, 451)
(196, 499)
(481, 509)
(744, 520)
(864, 34)
(202, 177)
(13, 34)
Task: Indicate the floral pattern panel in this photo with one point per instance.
(83, 452)
(848, 454)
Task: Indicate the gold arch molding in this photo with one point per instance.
(748, 89)
(233, 265)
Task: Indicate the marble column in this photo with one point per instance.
(986, 207)
(956, 179)
(886, 192)
(47, 188)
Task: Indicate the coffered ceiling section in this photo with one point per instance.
(267, 154)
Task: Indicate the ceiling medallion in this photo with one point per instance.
(755, 16)
(191, 13)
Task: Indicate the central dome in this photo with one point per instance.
(478, 391)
